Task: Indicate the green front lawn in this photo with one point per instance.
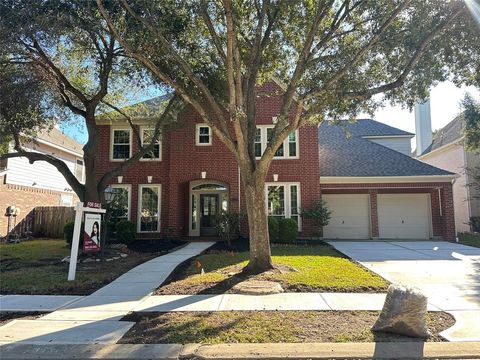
(266, 327)
(469, 239)
(299, 268)
(35, 267)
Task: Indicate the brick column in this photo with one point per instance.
(373, 214)
(448, 214)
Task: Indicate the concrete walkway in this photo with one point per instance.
(94, 318)
(274, 302)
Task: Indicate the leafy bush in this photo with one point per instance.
(288, 230)
(273, 228)
(228, 226)
(475, 221)
(125, 232)
(319, 214)
(68, 233)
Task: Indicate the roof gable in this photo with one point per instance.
(450, 133)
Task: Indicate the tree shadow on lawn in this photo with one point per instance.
(223, 270)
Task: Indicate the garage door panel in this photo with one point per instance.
(404, 216)
(350, 216)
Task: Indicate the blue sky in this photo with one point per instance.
(444, 102)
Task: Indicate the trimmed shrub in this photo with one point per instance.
(319, 214)
(273, 228)
(125, 232)
(475, 221)
(288, 230)
(68, 233)
(228, 226)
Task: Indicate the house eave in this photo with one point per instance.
(441, 148)
(58, 147)
(385, 179)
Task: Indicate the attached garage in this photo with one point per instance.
(404, 216)
(350, 216)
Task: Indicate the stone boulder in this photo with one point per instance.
(257, 287)
(404, 312)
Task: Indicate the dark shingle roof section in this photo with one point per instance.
(447, 135)
(369, 127)
(355, 157)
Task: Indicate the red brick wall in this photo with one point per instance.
(26, 198)
(183, 161)
(443, 220)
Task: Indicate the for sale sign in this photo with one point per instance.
(91, 235)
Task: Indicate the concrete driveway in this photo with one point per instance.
(448, 273)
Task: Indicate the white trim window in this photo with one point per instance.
(283, 201)
(203, 135)
(80, 170)
(289, 149)
(121, 203)
(121, 144)
(149, 208)
(146, 137)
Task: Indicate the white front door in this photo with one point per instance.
(404, 216)
(350, 216)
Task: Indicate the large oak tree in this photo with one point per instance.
(332, 56)
(59, 61)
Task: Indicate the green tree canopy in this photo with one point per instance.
(74, 64)
(471, 129)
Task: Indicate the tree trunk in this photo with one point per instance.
(89, 156)
(260, 256)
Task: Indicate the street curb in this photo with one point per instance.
(314, 351)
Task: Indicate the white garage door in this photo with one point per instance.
(404, 216)
(350, 216)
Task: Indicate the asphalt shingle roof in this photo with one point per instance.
(356, 156)
(447, 135)
(369, 127)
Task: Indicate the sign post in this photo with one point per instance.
(79, 210)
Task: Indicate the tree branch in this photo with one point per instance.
(420, 50)
(211, 29)
(372, 42)
(32, 157)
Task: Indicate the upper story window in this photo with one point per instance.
(203, 135)
(156, 152)
(121, 144)
(79, 170)
(287, 150)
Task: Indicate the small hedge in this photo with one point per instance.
(125, 232)
(475, 221)
(288, 230)
(273, 228)
(68, 233)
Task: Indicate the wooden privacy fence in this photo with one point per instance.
(50, 220)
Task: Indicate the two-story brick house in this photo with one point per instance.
(191, 176)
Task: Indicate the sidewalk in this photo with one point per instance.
(93, 318)
(299, 351)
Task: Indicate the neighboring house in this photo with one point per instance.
(370, 181)
(447, 151)
(27, 186)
